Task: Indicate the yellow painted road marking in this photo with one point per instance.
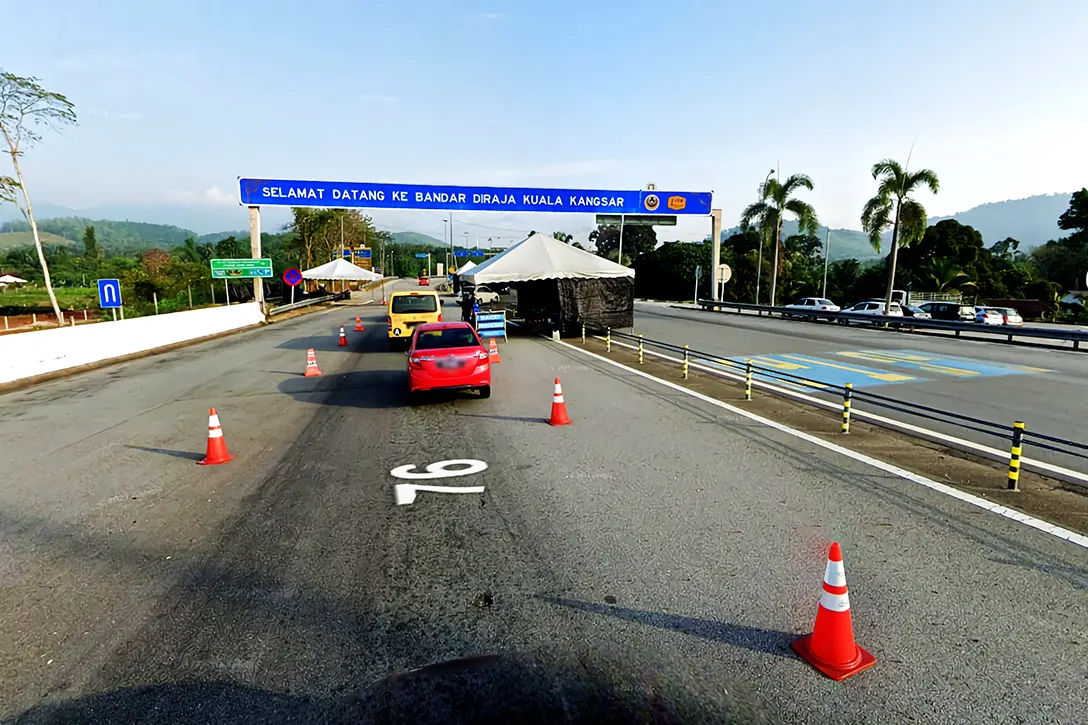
(912, 359)
(886, 377)
(770, 362)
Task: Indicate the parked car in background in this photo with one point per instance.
(949, 311)
(812, 304)
(485, 296)
(989, 316)
(874, 308)
(916, 312)
(1010, 316)
(424, 282)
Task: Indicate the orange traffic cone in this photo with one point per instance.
(358, 324)
(493, 353)
(217, 447)
(312, 371)
(831, 648)
(559, 407)
(343, 337)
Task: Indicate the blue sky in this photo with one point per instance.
(178, 99)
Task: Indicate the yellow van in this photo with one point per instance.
(408, 309)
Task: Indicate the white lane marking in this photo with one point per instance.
(1045, 527)
(440, 469)
(406, 492)
(1025, 461)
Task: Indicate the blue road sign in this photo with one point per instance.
(476, 253)
(346, 253)
(421, 255)
(109, 293)
(366, 195)
(365, 253)
(292, 276)
(460, 252)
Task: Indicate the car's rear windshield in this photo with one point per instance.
(450, 337)
(414, 304)
(824, 302)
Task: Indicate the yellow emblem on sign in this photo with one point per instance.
(676, 203)
(651, 202)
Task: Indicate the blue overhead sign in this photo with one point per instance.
(422, 255)
(360, 195)
(109, 293)
(460, 252)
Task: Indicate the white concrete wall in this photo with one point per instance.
(27, 354)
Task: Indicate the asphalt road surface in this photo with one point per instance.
(649, 563)
(1046, 388)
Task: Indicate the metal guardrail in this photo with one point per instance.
(308, 302)
(1014, 434)
(1006, 331)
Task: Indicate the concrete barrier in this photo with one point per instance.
(30, 354)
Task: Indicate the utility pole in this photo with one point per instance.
(619, 257)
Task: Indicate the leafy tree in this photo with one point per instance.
(1065, 261)
(91, 252)
(637, 240)
(563, 237)
(944, 275)
(894, 206)
(155, 260)
(668, 272)
(26, 109)
(842, 279)
(1075, 218)
(776, 200)
(1007, 248)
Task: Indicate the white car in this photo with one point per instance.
(812, 304)
(1010, 316)
(989, 316)
(876, 309)
(485, 296)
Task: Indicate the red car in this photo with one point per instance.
(447, 356)
(424, 282)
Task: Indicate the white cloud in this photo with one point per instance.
(377, 98)
(217, 196)
(118, 115)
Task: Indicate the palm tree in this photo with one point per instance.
(942, 275)
(775, 202)
(893, 206)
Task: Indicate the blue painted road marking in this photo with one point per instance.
(821, 372)
(944, 365)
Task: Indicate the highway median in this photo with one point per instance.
(1063, 503)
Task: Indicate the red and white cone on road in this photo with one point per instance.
(343, 337)
(493, 353)
(559, 407)
(831, 648)
(312, 371)
(358, 324)
(217, 447)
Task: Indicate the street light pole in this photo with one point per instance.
(759, 265)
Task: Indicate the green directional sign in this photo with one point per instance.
(241, 268)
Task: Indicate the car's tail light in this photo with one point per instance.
(439, 316)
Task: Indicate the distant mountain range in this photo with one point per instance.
(1033, 221)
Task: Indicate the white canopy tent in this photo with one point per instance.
(560, 286)
(11, 279)
(466, 267)
(541, 257)
(341, 270)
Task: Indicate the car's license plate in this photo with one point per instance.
(449, 364)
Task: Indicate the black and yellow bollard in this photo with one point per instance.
(608, 340)
(747, 379)
(640, 350)
(1014, 455)
(685, 367)
(583, 333)
(847, 394)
